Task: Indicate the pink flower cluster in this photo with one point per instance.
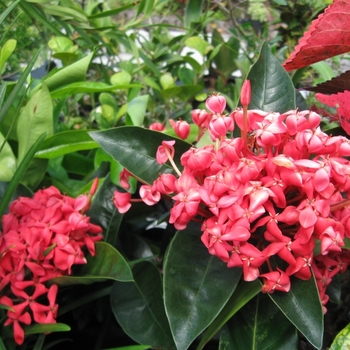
(274, 202)
(42, 238)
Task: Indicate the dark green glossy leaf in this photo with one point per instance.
(197, 285)
(46, 328)
(131, 347)
(272, 88)
(104, 213)
(259, 325)
(108, 263)
(66, 142)
(135, 148)
(138, 307)
(302, 306)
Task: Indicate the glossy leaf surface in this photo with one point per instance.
(138, 307)
(196, 286)
(108, 263)
(272, 88)
(135, 148)
(259, 325)
(342, 340)
(302, 306)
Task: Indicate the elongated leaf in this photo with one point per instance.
(192, 12)
(113, 12)
(104, 213)
(8, 9)
(272, 88)
(302, 306)
(66, 142)
(8, 162)
(138, 307)
(197, 285)
(259, 325)
(135, 148)
(36, 117)
(18, 86)
(65, 12)
(108, 263)
(46, 328)
(88, 87)
(184, 92)
(73, 73)
(11, 189)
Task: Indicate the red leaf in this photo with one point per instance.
(341, 101)
(333, 86)
(327, 36)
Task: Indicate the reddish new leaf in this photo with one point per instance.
(338, 84)
(327, 36)
(341, 101)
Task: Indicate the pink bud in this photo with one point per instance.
(246, 93)
(216, 103)
(181, 128)
(157, 126)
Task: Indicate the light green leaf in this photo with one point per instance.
(342, 340)
(121, 78)
(6, 52)
(198, 43)
(36, 118)
(65, 12)
(61, 44)
(73, 73)
(137, 109)
(8, 162)
(193, 12)
(46, 328)
(167, 81)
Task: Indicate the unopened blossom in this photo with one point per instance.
(181, 128)
(216, 103)
(122, 201)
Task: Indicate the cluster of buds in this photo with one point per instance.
(274, 201)
(42, 238)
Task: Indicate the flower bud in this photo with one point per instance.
(246, 93)
(216, 103)
(181, 128)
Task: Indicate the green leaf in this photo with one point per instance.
(113, 12)
(107, 264)
(302, 306)
(198, 43)
(88, 87)
(37, 116)
(60, 44)
(75, 72)
(192, 12)
(342, 339)
(197, 285)
(66, 142)
(324, 70)
(6, 52)
(184, 92)
(259, 325)
(104, 213)
(65, 12)
(137, 109)
(241, 296)
(12, 187)
(8, 9)
(46, 328)
(135, 149)
(272, 88)
(139, 309)
(8, 161)
(15, 91)
(131, 347)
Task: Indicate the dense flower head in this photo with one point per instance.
(43, 237)
(275, 201)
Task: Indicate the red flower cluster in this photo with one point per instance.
(42, 238)
(280, 190)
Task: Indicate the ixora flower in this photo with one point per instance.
(42, 238)
(274, 201)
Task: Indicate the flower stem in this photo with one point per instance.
(171, 160)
